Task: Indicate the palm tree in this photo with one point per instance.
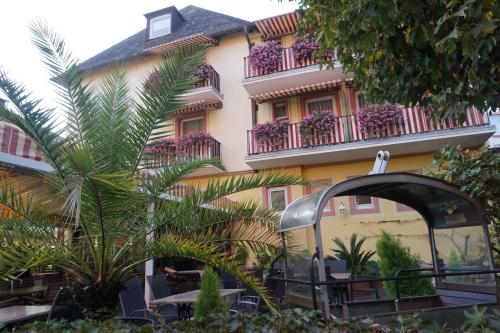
(118, 215)
(354, 256)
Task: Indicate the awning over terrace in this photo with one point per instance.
(442, 205)
(278, 25)
(17, 150)
(261, 98)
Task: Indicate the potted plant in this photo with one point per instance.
(267, 56)
(358, 264)
(192, 144)
(203, 73)
(160, 152)
(304, 49)
(374, 118)
(272, 134)
(317, 125)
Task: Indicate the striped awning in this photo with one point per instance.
(198, 106)
(260, 98)
(278, 25)
(15, 142)
(187, 41)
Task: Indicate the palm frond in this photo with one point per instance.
(175, 77)
(185, 248)
(168, 176)
(75, 97)
(112, 123)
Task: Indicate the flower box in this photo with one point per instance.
(317, 127)
(271, 134)
(267, 56)
(374, 119)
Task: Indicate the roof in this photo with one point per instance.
(196, 21)
(441, 204)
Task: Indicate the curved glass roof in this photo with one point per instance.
(441, 204)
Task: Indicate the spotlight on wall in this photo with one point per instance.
(342, 209)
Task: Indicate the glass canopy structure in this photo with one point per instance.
(442, 206)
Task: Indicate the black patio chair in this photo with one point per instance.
(64, 307)
(255, 304)
(337, 266)
(228, 280)
(132, 301)
(159, 289)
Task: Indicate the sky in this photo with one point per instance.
(90, 26)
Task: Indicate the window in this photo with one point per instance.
(329, 207)
(192, 125)
(277, 198)
(320, 104)
(280, 110)
(363, 202)
(160, 26)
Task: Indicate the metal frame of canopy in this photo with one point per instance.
(428, 196)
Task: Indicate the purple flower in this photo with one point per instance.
(376, 117)
(304, 49)
(267, 56)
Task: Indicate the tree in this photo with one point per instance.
(418, 51)
(393, 257)
(119, 216)
(209, 299)
(475, 172)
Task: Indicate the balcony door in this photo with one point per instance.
(192, 125)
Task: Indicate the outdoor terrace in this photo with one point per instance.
(418, 132)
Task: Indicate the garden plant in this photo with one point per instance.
(114, 215)
(394, 256)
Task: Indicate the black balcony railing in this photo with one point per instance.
(213, 80)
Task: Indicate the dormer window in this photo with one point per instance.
(160, 26)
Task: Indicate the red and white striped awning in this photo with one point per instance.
(278, 25)
(187, 41)
(15, 142)
(198, 106)
(260, 98)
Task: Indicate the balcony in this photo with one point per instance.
(418, 132)
(166, 152)
(291, 74)
(204, 92)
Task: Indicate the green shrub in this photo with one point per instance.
(394, 256)
(209, 299)
(291, 321)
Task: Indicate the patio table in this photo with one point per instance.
(184, 300)
(19, 313)
(341, 276)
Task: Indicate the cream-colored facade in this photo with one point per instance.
(332, 163)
